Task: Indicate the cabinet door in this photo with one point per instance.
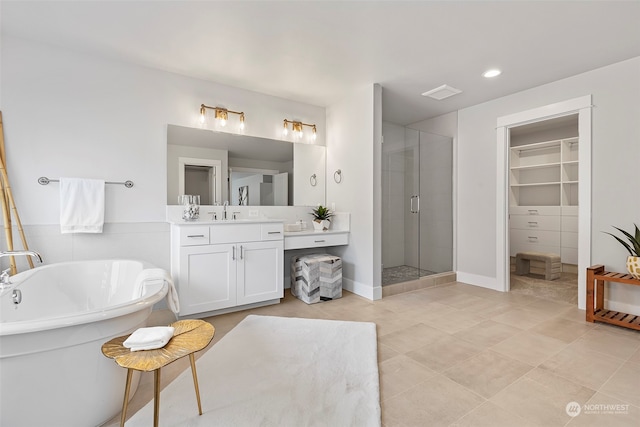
(260, 271)
(207, 278)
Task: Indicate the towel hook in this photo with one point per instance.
(312, 180)
(337, 176)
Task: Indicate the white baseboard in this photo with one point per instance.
(477, 280)
(361, 289)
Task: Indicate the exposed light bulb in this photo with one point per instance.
(242, 122)
(223, 122)
(201, 118)
(285, 131)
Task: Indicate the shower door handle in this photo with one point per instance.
(412, 209)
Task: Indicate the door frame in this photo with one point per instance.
(582, 107)
(216, 165)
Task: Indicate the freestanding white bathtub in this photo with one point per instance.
(52, 371)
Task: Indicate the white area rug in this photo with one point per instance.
(278, 371)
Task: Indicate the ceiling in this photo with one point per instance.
(316, 51)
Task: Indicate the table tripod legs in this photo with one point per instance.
(195, 381)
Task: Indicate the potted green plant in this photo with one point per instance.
(633, 247)
(321, 218)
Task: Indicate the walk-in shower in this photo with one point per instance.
(417, 207)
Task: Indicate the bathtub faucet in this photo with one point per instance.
(4, 276)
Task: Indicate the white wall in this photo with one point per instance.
(73, 114)
(615, 159)
(354, 129)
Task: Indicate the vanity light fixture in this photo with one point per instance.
(296, 127)
(221, 114)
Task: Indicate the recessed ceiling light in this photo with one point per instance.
(492, 73)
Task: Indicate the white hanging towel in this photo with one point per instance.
(151, 276)
(81, 205)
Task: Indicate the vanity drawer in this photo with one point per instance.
(315, 241)
(235, 233)
(194, 235)
(273, 231)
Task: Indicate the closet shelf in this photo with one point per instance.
(538, 166)
(536, 146)
(536, 184)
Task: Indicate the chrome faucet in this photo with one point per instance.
(224, 209)
(4, 276)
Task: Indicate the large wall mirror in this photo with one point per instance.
(243, 170)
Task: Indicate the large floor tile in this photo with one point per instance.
(399, 374)
(625, 384)
(591, 369)
(487, 333)
(411, 338)
(529, 347)
(609, 343)
(541, 397)
(521, 317)
(444, 353)
(487, 373)
(562, 329)
(436, 402)
(491, 415)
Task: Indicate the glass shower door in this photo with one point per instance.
(417, 213)
(436, 204)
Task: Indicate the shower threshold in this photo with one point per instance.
(414, 283)
(402, 273)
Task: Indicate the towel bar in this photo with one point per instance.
(43, 180)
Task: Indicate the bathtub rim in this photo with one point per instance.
(159, 291)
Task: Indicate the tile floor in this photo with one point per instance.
(460, 355)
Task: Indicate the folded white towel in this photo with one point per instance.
(149, 338)
(151, 276)
(81, 205)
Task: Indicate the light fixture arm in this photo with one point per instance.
(221, 113)
(296, 126)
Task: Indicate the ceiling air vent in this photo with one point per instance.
(442, 92)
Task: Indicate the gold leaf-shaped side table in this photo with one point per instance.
(189, 336)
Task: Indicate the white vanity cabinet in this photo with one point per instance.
(227, 265)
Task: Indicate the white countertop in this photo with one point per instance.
(312, 232)
(204, 221)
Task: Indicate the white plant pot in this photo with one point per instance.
(321, 224)
(633, 266)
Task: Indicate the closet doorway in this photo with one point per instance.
(543, 208)
(581, 108)
(417, 204)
